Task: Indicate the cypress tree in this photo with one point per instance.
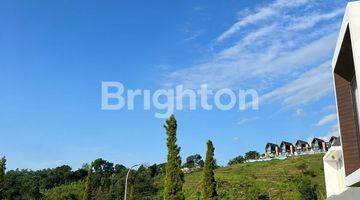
(208, 182)
(174, 178)
(2, 176)
(87, 187)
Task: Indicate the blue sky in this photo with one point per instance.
(55, 54)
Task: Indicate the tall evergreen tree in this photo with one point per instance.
(2, 176)
(208, 182)
(174, 178)
(87, 186)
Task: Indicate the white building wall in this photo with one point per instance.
(334, 177)
(334, 171)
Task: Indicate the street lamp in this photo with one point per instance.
(126, 179)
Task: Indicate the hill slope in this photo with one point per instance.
(288, 179)
(293, 178)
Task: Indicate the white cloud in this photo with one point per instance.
(330, 107)
(298, 112)
(311, 20)
(247, 120)
(192, 35)
(249, 67)
(274, 56)
(261, 14)
(327, 119)
(309, 87)
(308, 54)
(247, 40)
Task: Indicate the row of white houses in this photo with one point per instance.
(301, 147)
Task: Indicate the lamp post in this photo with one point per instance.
(126, 179)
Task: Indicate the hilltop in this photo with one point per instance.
(276, 179)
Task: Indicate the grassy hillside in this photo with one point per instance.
(276, 179)
(273, 179)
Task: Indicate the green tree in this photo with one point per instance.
(208, 183)
(194, 161)
(236, 160)
(252, 155)
(87, 187)
(141, 184)
(174, 179)
(2, 176)
(70, 191)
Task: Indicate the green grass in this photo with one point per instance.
(276, 179)
(252, 180)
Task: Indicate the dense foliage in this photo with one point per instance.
(86, 194)
(236, 160)
(194, 161)
(71, 191)
(208, 183)
(252, 155)
(173, 178)
(106, 181)
(2, 176)
(27, 184)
